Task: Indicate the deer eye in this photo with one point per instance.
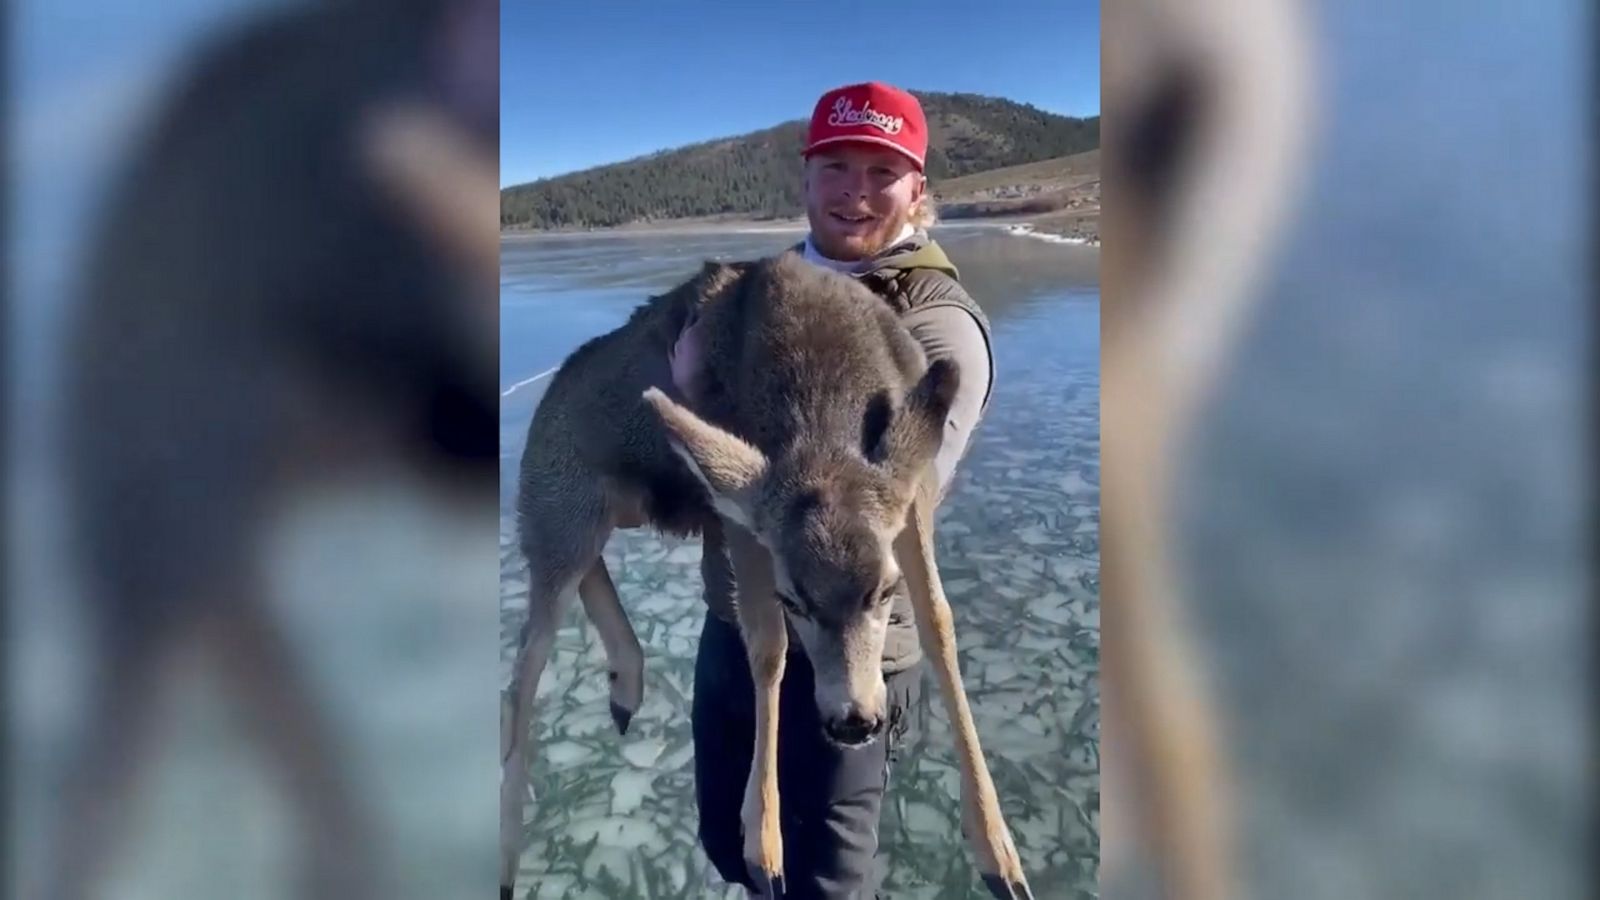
(789, 604)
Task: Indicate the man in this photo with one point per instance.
(867, 204)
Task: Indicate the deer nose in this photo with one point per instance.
(854, 729)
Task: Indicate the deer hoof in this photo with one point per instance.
(1007, 890)
(769, 886)
(622, 717)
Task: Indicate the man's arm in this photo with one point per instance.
(952, 333)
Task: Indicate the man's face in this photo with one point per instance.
(858, 197)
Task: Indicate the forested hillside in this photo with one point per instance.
(757, 174)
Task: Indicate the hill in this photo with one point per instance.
(1061, 195)
(756, 175)
(1078, 171)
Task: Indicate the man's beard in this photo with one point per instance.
(834, 246)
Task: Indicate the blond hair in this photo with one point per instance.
(925, 214)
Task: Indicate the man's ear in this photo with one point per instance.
(731, 469)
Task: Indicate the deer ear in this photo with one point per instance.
(684, 302)
(731, 469)
(916, 431)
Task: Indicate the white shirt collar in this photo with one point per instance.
(849, 267)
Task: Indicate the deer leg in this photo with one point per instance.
(624, 659)
(562, 547)
(766, 641)
(985, 827)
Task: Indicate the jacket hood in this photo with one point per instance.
(916, 252)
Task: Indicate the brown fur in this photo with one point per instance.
(810, 444)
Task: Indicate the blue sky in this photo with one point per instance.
(586, 82)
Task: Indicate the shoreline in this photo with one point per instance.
(665, 226)
(1025, 226)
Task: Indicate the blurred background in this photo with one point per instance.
(1379, 496)
(250, 631)
(1379, 527)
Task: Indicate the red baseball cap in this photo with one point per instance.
(870, 113)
